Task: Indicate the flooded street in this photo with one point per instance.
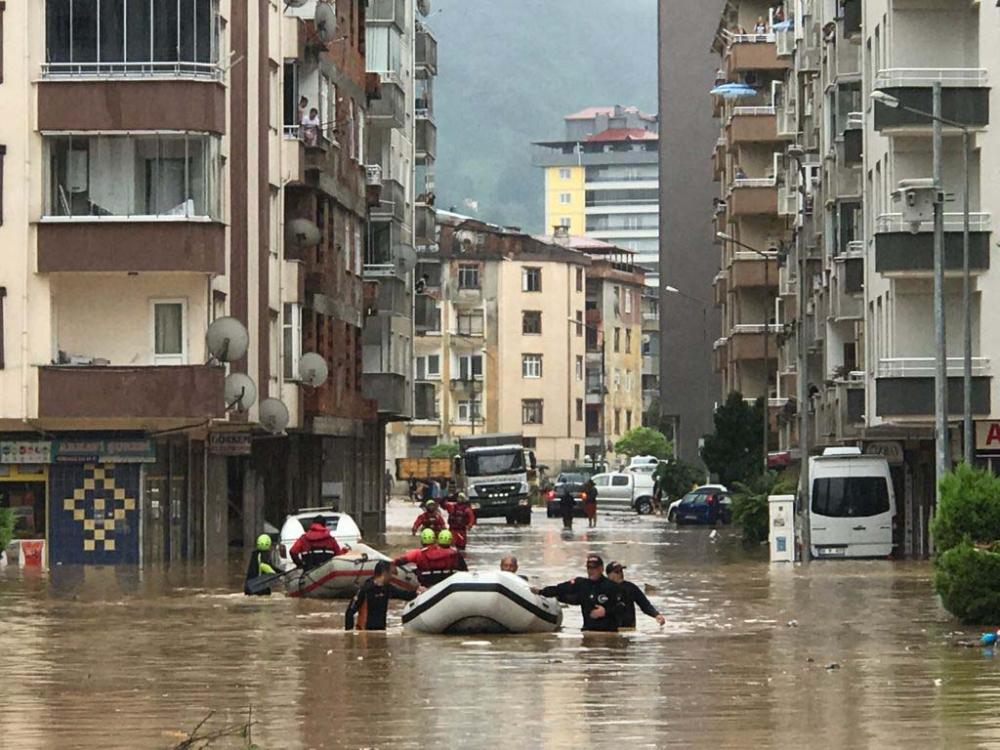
(112, 658)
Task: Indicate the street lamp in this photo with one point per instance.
(893, 103)
(768, 304)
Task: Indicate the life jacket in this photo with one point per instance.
(439, 559)
(460, 516)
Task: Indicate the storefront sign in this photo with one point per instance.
(988, 437)
(115, 451)
(25, 452)
(230, 443)
(890, 450)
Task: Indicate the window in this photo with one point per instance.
(147, 36)
(383, 51)
(628, 301)
(565, 221)
(3, 149)
(618, 300)
(579, 410)
(579, 322)
(531, 411)
(618, 339)
(579, 368)
(618, 423)
(468, 276)
(470, 323)
(425, 404)
(469, 409)
(628, 420)
(576, 452)
(531, 279)
(619, 481)
(850, 497)
(628, 381)
(470, 367)
(531, 366)
(291, 339)
(531, 322)
(579, 279)
(628, 340)
(168, 175)
(618, 379)
(564, 174)
(429, 367)
(565, 198)
(169, 346)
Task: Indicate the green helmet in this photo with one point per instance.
(427, 536)
(444, 538)
(264, 542)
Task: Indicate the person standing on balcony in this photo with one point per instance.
(310, 128)
(761, 26)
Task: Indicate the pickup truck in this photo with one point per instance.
(625, 491)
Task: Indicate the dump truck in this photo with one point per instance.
(496, 471)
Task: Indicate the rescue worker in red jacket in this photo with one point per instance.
(314, 547)
(431, 518)
(435, 562)
(461, 518)
(428, 538)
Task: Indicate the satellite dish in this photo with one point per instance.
(240, 392)
(313, 369)
(301, 233)
(273, 415)
(227, 339)
(295, 3)
(326, 22)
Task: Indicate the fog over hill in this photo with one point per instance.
(509, 71)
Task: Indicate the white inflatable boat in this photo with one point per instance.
(342, 576)
(482, 603)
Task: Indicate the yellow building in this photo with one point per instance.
(564, 199)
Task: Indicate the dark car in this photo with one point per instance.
(705, 506)
(572, 482)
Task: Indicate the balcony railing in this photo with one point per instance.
(855, 249)
(953, 222)
(741, 328)
(925, 367)
(756, 111)
(133, 70)
(766, 38)
(894, 77)
(755, 182)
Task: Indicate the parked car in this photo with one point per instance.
(706, 505)
(625, 491)
(340, 525)
(553, 499)
(672, 508)
(643, 464)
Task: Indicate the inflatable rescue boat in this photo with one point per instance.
(495, 602)
(342, 576)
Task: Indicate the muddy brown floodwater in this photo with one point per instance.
(118, 658)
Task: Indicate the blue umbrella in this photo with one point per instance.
(733, 90)
(784, 25)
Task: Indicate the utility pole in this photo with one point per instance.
(967, 429)
(768, 305)
(941, 462)
(802, 361)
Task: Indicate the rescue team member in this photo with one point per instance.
(431, 518)
(434, 562)
(314, 547)
(631, 596)
(461, 518)
(598, 596)
(428, 539)
(368, 608)
(259, 565)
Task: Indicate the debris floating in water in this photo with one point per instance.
(833, 665)
(477, 643)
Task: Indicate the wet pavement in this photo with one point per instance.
(118, 658)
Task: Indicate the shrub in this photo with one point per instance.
(750, 505)
(969, 509)
(7, 520)
(968, 581)
(443, 450)
(734, 451)
(644, 441)
(677, 477)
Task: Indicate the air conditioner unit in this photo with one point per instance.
(373, 174)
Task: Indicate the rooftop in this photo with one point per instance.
(591, 112)
(622, 134)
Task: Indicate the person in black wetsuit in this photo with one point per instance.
(368, 608)
(260, 565)
(631, 596)
(598, 596)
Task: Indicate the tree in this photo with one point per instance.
(443, 450)
(734, 451)
(7, 520)
(644, 441)
(677, 477)
(750, 504)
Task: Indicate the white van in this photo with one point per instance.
(852, 506)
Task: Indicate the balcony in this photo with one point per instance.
(389, 111)
(753, 52)
(853, 13)
(754, 125)
(426, 53)
(391, 394)
(720, 355)
(845, 305)
(130, 396)
(749, 271)
(426, 143)
(747, 341)
(426, 224)
(754, 198)
(904, 387)
(382, 12)
(720, 287)
(899, 252)
(965, 97)
(719, 159)
(392, 204)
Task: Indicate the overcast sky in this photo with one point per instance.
(509, 70)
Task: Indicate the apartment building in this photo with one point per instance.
(500, 343)
(868, 286)
(602, 180)
(162, 170)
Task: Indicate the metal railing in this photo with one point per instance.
(979, 221)
(755, 111)
(210, 71)
(750, 255)
(929, 76)
(755, 182)
(924, 367)
(757, 328)
(765, 38)
(379, 270)
(855, 120)
(855, 249)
